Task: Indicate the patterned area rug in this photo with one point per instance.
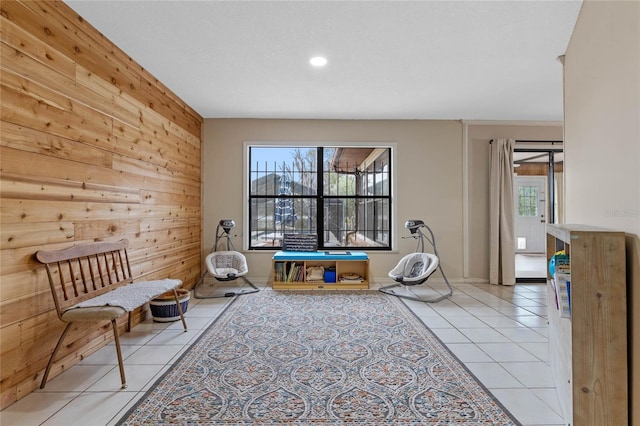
(318, 358)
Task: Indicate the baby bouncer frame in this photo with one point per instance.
(416, 268)
(224, 266)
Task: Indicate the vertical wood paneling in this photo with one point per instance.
(92, 147)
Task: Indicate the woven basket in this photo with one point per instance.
(164, 307)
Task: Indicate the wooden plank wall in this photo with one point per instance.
(537, 169)
(93, 147)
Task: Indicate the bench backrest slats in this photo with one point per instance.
(60, 269)
(83, 277)
(72, 278)
(84, 271)
(100, 271)
(128, 265)
(114, 256)
(92, 274)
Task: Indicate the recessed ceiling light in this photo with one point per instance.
(318, 61)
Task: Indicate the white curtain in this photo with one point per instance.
(502, 265)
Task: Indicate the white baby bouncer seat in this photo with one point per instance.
(224, 266)
(415, 268)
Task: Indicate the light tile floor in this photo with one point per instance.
(499, 333)
(531, 265)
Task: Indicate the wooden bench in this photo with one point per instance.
(93, 282)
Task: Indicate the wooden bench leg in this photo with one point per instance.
(129, 322)
(114, 323)
(184, 322)
(53, 355)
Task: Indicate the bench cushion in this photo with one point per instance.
(123, 299)
(93, 314)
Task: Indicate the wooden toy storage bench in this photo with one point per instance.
(588, 350)
(93, 282)
(341, 264)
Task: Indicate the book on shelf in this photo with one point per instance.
(555, 291)
(562, 263)
(285, 271)
(278, 271)
(563, 293)
(295, 273)
(290, 274)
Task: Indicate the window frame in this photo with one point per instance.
(246, 240)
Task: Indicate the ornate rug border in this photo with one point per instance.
(398, 301)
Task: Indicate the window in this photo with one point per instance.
(341, 194)
(528, 201)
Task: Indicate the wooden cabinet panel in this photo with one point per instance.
(588, 351)
(92, 147)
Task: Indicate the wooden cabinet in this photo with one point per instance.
(588, 351)
(342, 270)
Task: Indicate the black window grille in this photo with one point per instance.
(341, 194)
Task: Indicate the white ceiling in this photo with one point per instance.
(473, 60)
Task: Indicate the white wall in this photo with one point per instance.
(602, 89)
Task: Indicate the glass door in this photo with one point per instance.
(538, 193)
(530, 208)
